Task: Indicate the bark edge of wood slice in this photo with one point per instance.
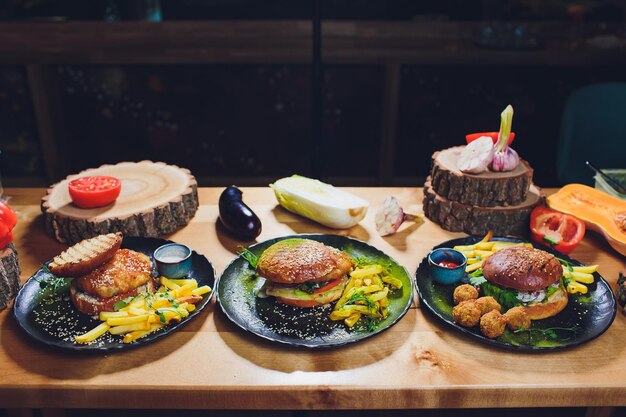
(156, 199)
(489, 189)
(475, 220)
(9, 275)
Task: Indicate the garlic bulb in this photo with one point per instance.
(476, 156)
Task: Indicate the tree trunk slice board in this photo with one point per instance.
(488, 189)
(476, 220)
(9, 275)
(156, 199)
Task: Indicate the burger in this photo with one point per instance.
(526, 277)
(303, 272)
(104, 275)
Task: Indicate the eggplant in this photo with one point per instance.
(236, 216)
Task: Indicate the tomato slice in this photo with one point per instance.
(94, 191)
(493, 135)
(331, 284)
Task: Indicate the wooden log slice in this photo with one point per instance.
(476, 220)
(488, 189)
(156, 199)
(9, 275)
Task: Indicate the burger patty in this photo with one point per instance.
(522, 268)
(294, 261)
(125, 271)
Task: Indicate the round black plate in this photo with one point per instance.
(55, 322)
(590, 314)
(309, 327)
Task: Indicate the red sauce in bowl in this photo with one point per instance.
(448, 264)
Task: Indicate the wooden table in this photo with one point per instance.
(211, 363)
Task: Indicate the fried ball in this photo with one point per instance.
(466, 313)
(486, 304)
(465, 292)
(517, 318)
(492, 324)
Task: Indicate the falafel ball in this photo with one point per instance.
(517, 318)
(492, 324)
(466, 313)
(464, 292)
(487, 304)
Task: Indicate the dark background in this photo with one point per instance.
(250, 122)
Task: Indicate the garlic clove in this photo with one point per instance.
(389, 216)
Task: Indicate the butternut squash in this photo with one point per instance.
(601, 212)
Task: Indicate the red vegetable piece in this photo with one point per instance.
(558, 230)
(94, 191)
(493, 135)
(8, 220)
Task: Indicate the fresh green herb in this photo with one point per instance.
(310, 287)
(477, 281)
(566, 264)
(122, 303)
(480, 258)
(549, 333)
(161, 316)
(360, 296)
(249, 256)
(361, 261)
(477, 273)
(52, 286)
(371, 324)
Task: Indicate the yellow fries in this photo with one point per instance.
(479, 251)
(365, 295)
(93, 334)
(147, 313)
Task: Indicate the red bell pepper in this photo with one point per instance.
(8, 220)
(493, 135)
(558, 230)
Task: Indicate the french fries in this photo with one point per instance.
(365, 295)
(146, 313)
(479, 251)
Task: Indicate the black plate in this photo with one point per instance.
(591, 314)
(55, 322)
(309, 327)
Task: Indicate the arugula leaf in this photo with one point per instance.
(566, 264)
(360, 296)
(122, 303)
(249, 256)
(477, 273)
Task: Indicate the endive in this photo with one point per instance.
(319, 201)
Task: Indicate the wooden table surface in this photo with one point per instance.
(211, 363)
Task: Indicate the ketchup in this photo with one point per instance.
(448, 264)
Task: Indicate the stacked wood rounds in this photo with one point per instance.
(9, 275)
(476, 203)
(156, 199)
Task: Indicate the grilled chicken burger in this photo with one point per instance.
(103, 273)
(126, 274)
(526, 277)
(303, 272)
